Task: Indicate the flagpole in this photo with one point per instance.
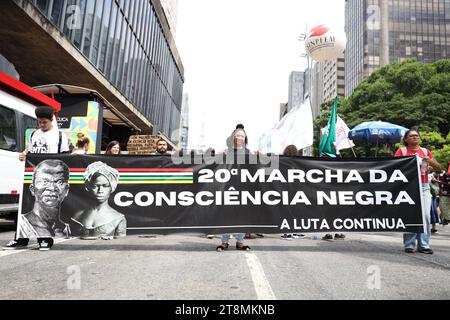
(354, 154)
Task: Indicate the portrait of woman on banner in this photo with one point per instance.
(99, 219)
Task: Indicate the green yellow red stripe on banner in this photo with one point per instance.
(133, 176)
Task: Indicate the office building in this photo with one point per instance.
(184, 131)
(122, 49)
(380, 32)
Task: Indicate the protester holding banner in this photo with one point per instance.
(444, 197)
(239, 148)
(113, 148)
(291, 151)
(100, 219)
(47, 139)
(434, 189)
(411, 140)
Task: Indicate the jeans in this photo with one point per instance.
(239, 237)
(423, 239)
(434, 214)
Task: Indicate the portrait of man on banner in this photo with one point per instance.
(49, 188)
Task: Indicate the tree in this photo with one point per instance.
(411, 94)
(438, 145)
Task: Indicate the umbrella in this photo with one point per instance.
(376, 132)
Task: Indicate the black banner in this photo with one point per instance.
(111, 196)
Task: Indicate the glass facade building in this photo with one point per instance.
(125, 41)
(354, 52)
(419, 28)
(386, 31)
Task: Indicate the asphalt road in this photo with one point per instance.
(186, 267)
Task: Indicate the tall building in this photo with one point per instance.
(299, 90)
(334, 78)
(316, 89)
(171, 10)
(328, 82)
(380, 32)
(296, 89)
(184, 132)
(122, 49)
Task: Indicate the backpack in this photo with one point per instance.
(59, 140)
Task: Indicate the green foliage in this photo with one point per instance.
(431, 139)
(443, 156)
(439, 146)
(411, 94)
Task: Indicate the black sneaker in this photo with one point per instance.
(338, 236)
(426, 251)
(327, 237)
(16, 244)
(45, 244)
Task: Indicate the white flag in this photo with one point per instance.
(342, 140)
(295, 128)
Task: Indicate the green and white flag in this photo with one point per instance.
(327, 147)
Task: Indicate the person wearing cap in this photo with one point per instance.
(46, 139)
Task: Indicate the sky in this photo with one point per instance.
(238, 55)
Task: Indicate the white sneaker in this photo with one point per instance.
(44, 246)
(14, 245)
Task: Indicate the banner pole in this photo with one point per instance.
(352, 149)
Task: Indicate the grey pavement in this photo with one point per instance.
(186, 267)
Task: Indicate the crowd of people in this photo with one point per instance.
(51, 183)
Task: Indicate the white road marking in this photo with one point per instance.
(4, 253)
(262, 285)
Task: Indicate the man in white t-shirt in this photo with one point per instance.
(47, 139)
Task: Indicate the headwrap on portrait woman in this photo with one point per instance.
(108, 172)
